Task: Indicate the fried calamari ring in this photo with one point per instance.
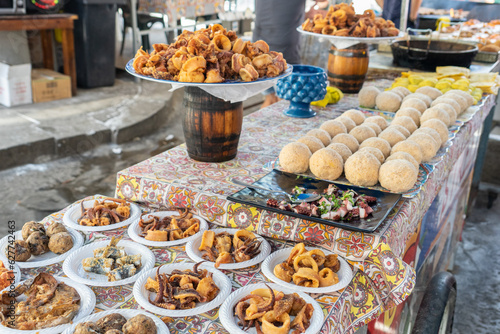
(221, 43)
(342, 32)
(327, 277)
(332, 262)
(305, 261)
(306, 277)
(328, 30)
(242, 236)
(307, 25)
(262, 61)
(318, 256)
(217, 28)
(369, 13)
(320, 24)
(262, 46)
(296, 251)
(194, 64)
(239, 61)
(193, 229)
(269, 320)
(284, 272)
(223, 257)
(249, 73)
(179, 58)
(239, 46)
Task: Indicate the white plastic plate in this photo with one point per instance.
(73, 268)
(36, 261)
(161, 328)
(141, 295)
(344, 273)
(87, 304)
(230, 321)
(192, 250)
(134, 230)
(71, 217)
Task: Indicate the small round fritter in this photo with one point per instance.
(375, 151)
(140, 324)
(21, 250)
(333, 127)
(60, 242)
(460, 100)
(414, 103)
(361, 169)
(362, 133)
(379, 120)
(31, 227)
(326, 164)
(111, 321)
(321, 135)
(404, 156)
(86, 328)
(424, 98)
(388, 101)
(348, 123)
(447, 100)
(465, 95)
(367, 96)
(431, 132)
(439, 126)
(379, 143)
(398, 175)
(410, 147)
(348, 140)
(413, 113)
(427, 144)
(54, 228)
(313, 143)
(431, 92)
(405, 122)
(401, 90)
(113, 331)
(404, 131)
(341, 149)
(374, 127)
(392, 136)
(436, 113)
(357, 116)
(294, 157)
(38, 243)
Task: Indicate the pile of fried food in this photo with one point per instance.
(311, 269)
(486, 35)
(49, 303)
(38, 241)
(170, 228)
(210, 55)
(113, 262)
(226, 248)
(116, 323)
(182, 289)
(105, 212)
(341, 20)
(270, 312)
(6, 276)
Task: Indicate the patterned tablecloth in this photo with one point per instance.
(175, 9)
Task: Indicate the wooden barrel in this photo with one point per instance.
(347, 67)
(212, 126)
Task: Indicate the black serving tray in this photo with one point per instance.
(279, 180)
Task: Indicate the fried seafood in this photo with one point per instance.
(225, 248)
(49, 303)
(116, 323)
(106, 212)
(6, 276)
(310, 269)
(170, 228)
(182, 289)
(270, 312)
(210, 55)
(341, 20)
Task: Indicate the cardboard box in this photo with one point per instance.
(15, 84)
(49, 85)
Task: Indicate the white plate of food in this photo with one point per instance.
(107, 320)
(84, 296)
(135, 231)
(109, 263)
(344, 273)
(73, 217)
(257, 251)
(5, 266)
(14, 246)
(229, 310)
(209, 290)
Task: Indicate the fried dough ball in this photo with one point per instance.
(140, 324)
(86, 328)
(348, 123)
(404, 131)
(341, 149)
(436, 113)
(31, 227)
(422, 97)
(410, 147)
(348, 140)
(427, 144)
(361, 169)
(431, 92)
(294, 157)
(379, 143)
(60, 243)
(367, 96)
(439, 126)
(379, 120)
(414, 103)
(357, 116)
(401, 90)
(400, 94)
(333, 127)
(374, 127)
(406, 122)
(313, 143)
(321, 135)
(404, 156)
(375, 151)
(413, 113)
(431, 132)
(388, 101)
(398, 175)
(447, 100)
(460, 100)
(54, 228)
(111, 321)
(465, 95)
(38, 243)
(362, 133)
(22, 251)
(326, 164)
(392, 135)
(449, 109)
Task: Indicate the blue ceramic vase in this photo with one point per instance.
(306, 84)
